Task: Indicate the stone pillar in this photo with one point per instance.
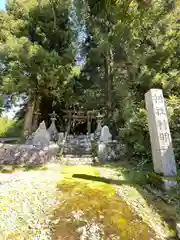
(161, 142)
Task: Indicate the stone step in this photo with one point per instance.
(77, 145)
(75, 160)
(77, 156)
(76, 150)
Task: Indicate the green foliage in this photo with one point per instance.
(130, 48)
(10, 128)
(174, 121)
(5, 125)
(136, 134)
(1, 104)
(36, 48)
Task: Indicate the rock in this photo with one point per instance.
(27, 154)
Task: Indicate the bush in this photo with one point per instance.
(136, 135)
(10, 128)
(173, 109)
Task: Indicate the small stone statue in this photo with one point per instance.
(106, 136)
(53, 132)
(41, 136)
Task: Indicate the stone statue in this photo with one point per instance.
(53, 132)
(41, 136)
(106, 136)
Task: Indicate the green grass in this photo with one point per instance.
(149, 201)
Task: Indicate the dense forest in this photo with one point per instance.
(93, 54)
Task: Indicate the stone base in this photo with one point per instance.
(167, 184)
(161, 182)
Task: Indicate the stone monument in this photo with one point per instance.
(161, 142)
(41, 136)
(106, 136)
(53, 132)
(104, 149)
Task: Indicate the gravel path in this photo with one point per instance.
(25, 201)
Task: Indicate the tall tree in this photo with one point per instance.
(131, 47)
(36, 50)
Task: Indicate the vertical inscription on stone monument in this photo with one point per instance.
(161, 143)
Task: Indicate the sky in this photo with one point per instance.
(2, 4)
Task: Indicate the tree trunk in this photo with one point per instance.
(36, 113)
(29, 117)
(108, 81)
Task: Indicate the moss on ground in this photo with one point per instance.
(92, 203)
(158, 208)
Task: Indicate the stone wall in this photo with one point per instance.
(27, 154)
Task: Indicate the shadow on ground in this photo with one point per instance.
(102, 179)
(162, 202)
